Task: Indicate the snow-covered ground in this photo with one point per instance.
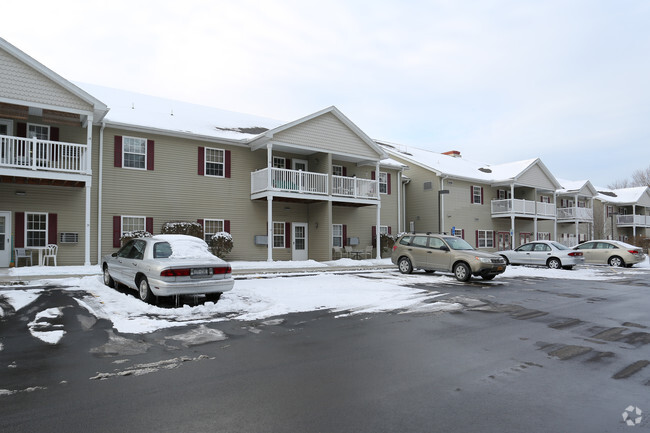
(259, 297)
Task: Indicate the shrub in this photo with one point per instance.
(182, 228)
(387, 242)
(133, 235)
(221, 244)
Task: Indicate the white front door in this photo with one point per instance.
(299, 164)
(299, 249)
(5, 239)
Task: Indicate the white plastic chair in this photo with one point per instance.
(348, 251)
(368, 252)
(50, 253)
(21, 253)
(335, 251)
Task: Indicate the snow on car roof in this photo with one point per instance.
(186, 247)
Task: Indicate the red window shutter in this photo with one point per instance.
(481, 195)
(494, 238)
(476, 238)
(202, 222)
(345, 234)
(372, 175)
(149, 225)
(117, 230)
(52, 228)
(462, 233)
(19, 236)
(150, 154)
(117, 159)
(226, 226)
(373, 233)
(21, 129)
(228, 164)
(287, 163)
(389, 230)
(471, 193)
(388, 183)
(287, 235)
(54, 133)
(345, 171)
(201, 167)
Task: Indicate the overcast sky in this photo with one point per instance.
(567, 81)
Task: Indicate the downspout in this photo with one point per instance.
(441, 211)
(399, 201)
(99, 193)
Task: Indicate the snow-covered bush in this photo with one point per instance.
(387, 242)
(221, 244)
(182, 228)
(127, 236)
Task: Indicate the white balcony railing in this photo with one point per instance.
(633, 220)
(571, 213)
(522, 207)
(281, 179)
(33, 154)
(354, 187)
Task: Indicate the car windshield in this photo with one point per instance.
(162, 250)
(457, 243)
(560, 246)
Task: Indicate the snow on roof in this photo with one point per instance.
(457, 166)
(145, 111)
(622, 195)
(571, 185)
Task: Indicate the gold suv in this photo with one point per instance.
(444, 253)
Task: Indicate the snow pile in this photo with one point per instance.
(187, 247)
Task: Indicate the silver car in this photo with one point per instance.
(613, 253)
(167, 265)
(544, 253)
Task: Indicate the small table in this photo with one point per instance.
(41, 251)
(357, 254)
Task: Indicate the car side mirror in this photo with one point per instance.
(114, 255)
(444, 248)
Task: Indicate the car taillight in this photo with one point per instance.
(223, 270)
(633, 251)
(576, 254)
(175, 273)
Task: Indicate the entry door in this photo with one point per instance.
(524, 238)
(299, 249)
(299, 164)
(5, 239)
(503, 241)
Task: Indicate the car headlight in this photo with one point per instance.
(483, 260)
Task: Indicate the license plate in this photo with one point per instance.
(198, 272)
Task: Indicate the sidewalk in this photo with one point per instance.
(9, 276)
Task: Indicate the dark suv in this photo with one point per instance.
(444, 253)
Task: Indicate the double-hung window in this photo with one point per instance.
(337, 170)
(278, 235)
(485, 239)
(132, 224)
(134, 152)
(383, 183)
(40, 132)
(211, 227)
(214, 162)
(35, 229)
(477, 194)
(279, 162)
(337, 235)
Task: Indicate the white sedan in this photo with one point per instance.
(544, 253)
(168, 265)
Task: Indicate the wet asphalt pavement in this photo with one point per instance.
(525, 354)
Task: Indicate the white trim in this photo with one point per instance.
(40, 126)
(334, 236)
(222, 221)
(145, 152)
(26, 229)
(205, 162)
(384, 183)
(284, 235)
(9, 124)
(144, 221)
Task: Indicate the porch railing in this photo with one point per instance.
(354, 187)
(34, 154)
(522, 207)
(628, 220)
(571, 213)
(282, 179)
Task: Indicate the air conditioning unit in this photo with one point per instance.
(68, 238)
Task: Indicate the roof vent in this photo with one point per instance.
(454, 153)
(485, 170)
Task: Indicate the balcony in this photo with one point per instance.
(305, 184)
(17, 153)
(571, 214)
(633, 220)
(518, 207)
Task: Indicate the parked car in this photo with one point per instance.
(167, 265)
(544, 253)
(433, 252)
(613, 253)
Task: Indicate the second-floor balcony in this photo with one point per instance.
(571, 214)
(519, 207)
(306, 184)
(42, 155)
(633, 220)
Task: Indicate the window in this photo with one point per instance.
(383, 230)
(134, 152)
(457, 232)
(610, 210)
(35, 229)
(210, 227)
(279, 162)
(214, 162)
(337, 170)
(132, 224)
(383, 183)
(485, 239)
(547, 199)
(278, 235)
(337, 235)
(41, 132)
(477, 194)
(543, 236)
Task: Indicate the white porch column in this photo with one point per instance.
(575, 204)
(512, 231)
(269, 228)
(633, 220)
(378, 233)
(87, 228)
(591, 232)
(399, 201)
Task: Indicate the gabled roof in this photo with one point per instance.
(447, 165)
(100, 109)
(131, 109)
(583, 187)
(625, 196)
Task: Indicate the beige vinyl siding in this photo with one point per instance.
(460, 212)
(21, 82)
(326, 133)
(421, 204)
(320, 238)
(536, 177)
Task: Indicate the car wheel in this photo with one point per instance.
(405, 265)
(462, 272)
(554, 263)
(506, 259)
(488, 277)
(616, 261)
(214, 297)
(108, 280)
(144, 291)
